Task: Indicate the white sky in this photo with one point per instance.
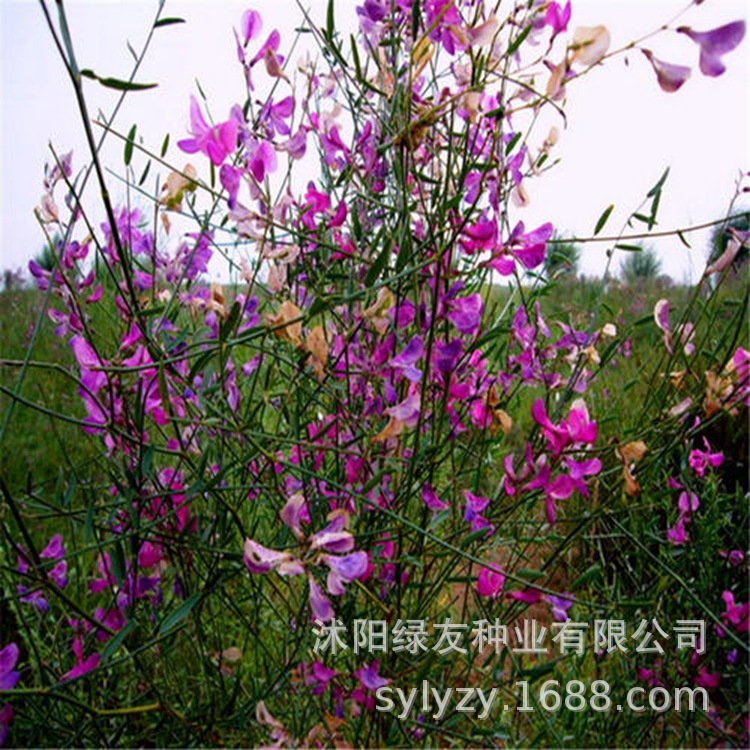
(623, 131)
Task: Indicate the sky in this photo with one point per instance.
(622, 130)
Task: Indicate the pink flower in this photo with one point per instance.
(215, 142)
(714, 44)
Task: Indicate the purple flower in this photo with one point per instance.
(260, 559)
(262, 160)
(560, 606)
(318, 677)
(334, 537)
(407, 359)
(466, 313)
(670, 76)
(344, 570)
(8, 675)
(714, 44)
(319, 603)
(369, 678)
(215, 142)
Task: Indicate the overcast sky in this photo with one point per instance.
(623, 131)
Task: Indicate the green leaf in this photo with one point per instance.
(518, 41)
(355, 58)
(168, 22)
(116, 641)
(512, 142)
(117, 83)
(164, 145)
(603, 219)
(373, 273)
(178, 615)
(656, 189)
(629, 248)
(145, 172)
(129, 143)
(330, 22)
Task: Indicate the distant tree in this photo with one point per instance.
(13, 280)
(562, 259)
(640, 266)
(45, 258)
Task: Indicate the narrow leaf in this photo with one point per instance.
(168, 22)
(178, 615)
(603, 219)
(129, 146)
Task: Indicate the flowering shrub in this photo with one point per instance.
(361, 426)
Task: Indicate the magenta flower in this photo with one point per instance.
(251, 24)
(577, 429)
(475, 504)
(215, 142)
(431, 499)
(528, 248)
(83, 665)
(670, 76)
(557, 18)
(714, 44)
(708, 680)
(528, 596)
(700, 460)
(490, 583)
(262, 160)
(736, 614)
